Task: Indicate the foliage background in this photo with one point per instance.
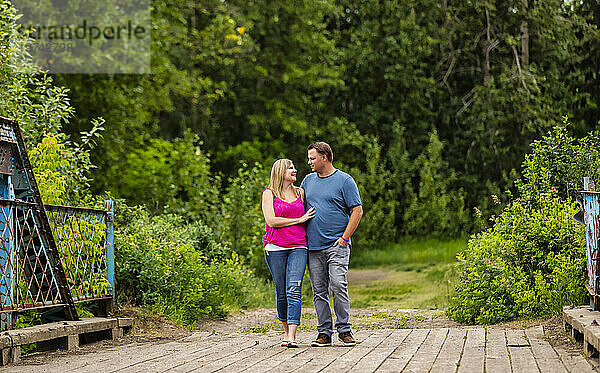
(430, 105)
(426, 103)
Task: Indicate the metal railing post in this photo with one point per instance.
(110, 248)
(589, 204)
(6, 255)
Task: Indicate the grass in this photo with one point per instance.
(410, 254)
(414, 273)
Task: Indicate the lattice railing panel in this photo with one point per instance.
(81, 239)
(27, 278)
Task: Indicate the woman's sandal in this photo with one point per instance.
(285, 343)
(292, 344)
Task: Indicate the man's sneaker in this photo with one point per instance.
(347, 339)
(322, 340)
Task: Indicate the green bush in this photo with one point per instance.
(530, 264)
(178, 270)
(172, 176)
(61, 167)
(558, 162)
(240, 223)
(532, 261)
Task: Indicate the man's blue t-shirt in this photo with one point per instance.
(332, 197)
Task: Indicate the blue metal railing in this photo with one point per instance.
(84, 239)
(590, 217)
(49, 255)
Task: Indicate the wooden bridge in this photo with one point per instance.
(463, 349)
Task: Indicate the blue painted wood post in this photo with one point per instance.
(110, 248)
(7, 254)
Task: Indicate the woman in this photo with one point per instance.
(285, 244)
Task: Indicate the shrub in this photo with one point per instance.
(532, 262)
(240, 222)
(172, 176)
(61, 167)
(177, 269)
(559, 162)
(378, 200)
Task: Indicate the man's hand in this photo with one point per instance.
(340, 241)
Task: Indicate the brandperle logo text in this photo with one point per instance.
(84, 31)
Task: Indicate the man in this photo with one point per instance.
(336, 200)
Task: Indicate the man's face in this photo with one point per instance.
(316, 161)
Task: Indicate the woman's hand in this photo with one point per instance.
(307, 215)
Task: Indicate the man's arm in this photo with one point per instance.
(355, 217)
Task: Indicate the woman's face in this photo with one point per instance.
(290, 174)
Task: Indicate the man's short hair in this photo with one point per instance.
(322, 148)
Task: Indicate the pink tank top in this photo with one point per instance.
(292, 236)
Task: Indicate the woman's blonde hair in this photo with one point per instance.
(277, 174)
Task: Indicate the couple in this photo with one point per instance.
(311, 224)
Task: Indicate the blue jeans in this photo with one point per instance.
(287, 268)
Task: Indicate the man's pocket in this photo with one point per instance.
(342, 254)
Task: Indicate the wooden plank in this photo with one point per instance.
(255, 351)
(519, 350)
(346, 361)
(371, 361)
(138, 360)
(195, 346)
(404, 352)
(545, 356)
(575, 363)
(449, 357)
(221, 356)
(60, 329)
(580, 324)
(473, 357)
(199, 349)
(5, 341)
(277, 359)
(425, 356)
(320, 360)
(516, 338)
(316, 358)
(109, 358)
(125, 322)
(250, 361)
(496, 352)
(306, 358)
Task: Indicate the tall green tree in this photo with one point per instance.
(257, 80)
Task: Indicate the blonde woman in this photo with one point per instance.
(285, 244)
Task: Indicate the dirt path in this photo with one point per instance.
(263, 320)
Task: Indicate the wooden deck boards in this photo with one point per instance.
(389, 350)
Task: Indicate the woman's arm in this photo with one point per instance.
(277, 221)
